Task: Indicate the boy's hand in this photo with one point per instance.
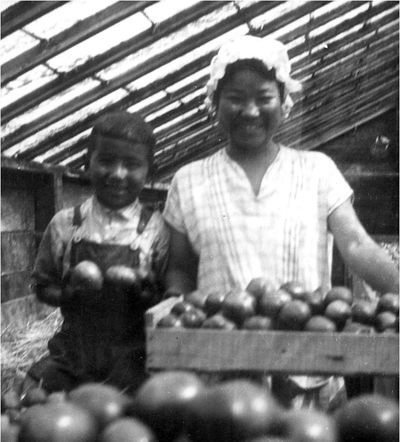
(49, 294)
(71, 293)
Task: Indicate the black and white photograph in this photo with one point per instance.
(199, 221)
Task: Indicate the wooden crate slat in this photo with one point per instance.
(267, 351)
(273, 352)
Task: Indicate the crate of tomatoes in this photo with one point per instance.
(269, 330)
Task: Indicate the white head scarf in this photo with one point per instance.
(272, 53)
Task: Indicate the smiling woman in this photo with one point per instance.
(258, 208)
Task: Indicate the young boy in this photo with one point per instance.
(102, 336)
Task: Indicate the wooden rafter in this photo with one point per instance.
(75, 34)
(22, 13)
(107, 58)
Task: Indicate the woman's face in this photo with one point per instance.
(249, 110)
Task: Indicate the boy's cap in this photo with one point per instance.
(272, 53)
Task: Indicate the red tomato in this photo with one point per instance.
(105, 402)
(231, 411)
(127, 429)
(86, 275)
(57, 422)
(161, 402)
(369, 417)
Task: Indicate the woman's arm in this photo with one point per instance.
(181, 275)
(360, 252)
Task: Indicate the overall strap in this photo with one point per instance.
(145, 216)
(77, 218)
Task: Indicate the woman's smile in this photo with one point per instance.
(250, 110)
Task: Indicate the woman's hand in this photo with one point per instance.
(360, 251)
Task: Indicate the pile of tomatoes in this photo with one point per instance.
(290, 307)
(178, 406)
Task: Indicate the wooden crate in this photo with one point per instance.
(267, 351)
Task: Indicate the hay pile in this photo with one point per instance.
(21, 347)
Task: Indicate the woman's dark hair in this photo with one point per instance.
(252, 64)
(125, 126)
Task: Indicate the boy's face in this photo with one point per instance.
(118, 170)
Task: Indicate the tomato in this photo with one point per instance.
(182, 307)
(295, 289)
(10, 399)
(193, 318)
(9, 431)
(369, 417)
(57, 396)
(105, 402)
(258, 323)
(196, 298)
(358, 328)
(86, 275)
(57, 422)
(320, 323)
(123, 277)
(385, 320)
(213, 303)
(294, 315)
(34, 396)
(231, 411)
(363, 311)
(161, 402)
(238, 305)
(127, 429)
(169, 321)
(389, 302)
(339, 293)
(258, 286)
(339, 312)
(305, 425)
(271, 303)
(316, 301)
(218, 321)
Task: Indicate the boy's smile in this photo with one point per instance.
(118, 170)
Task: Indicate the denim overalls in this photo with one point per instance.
(103, 340)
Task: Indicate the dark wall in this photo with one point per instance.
(373, 177)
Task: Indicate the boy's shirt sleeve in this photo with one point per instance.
(48, 267)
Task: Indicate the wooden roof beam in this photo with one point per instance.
(135, 97)
(368, 111)
(109, 57)
(342, 27)
(99, 91)
(316, 119)
(339, 49)
(22, 13)
(82, 30)
(79, 145)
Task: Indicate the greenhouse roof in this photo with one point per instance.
(66, 63)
